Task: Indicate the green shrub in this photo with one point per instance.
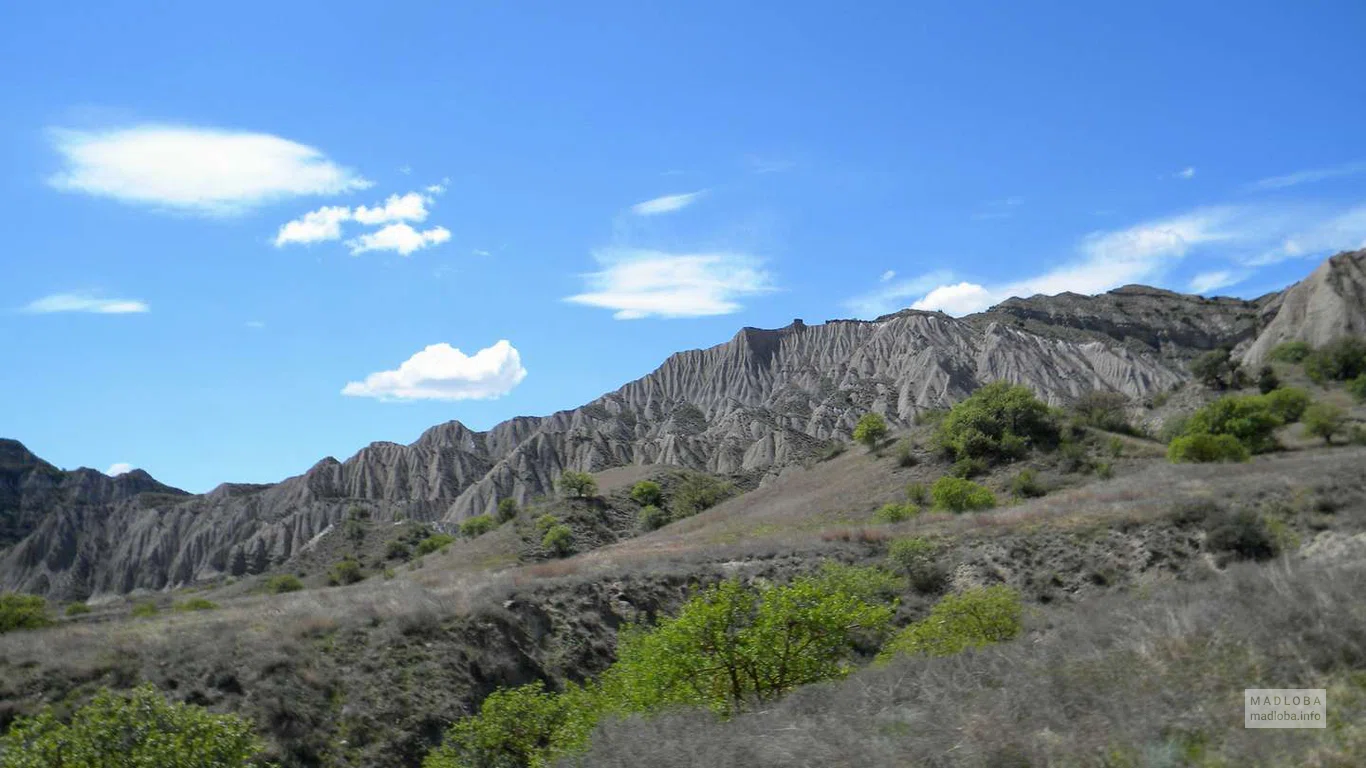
(698, 493)
(558, 540)
(1215, 369)
(1339, 360)
(1116, 447)
(1358, 435)
(1026, 485)
(397, 550)
(646, 493)
(345, 571)
(1173, 427)
(1103, 410)
(971, 619)
(904, 453)
(523, 726)
(77, 609)
(507, 509)
(1074, 456)
(895, 513)
(1324, 420)
(1290, 352)
(999, 421)
(870, 430)
(831, 450)
(930, 416)
(1203, 448)
(652, 517)
(1105, 470)
(577, 484)
(1245, 417)
(968, 468)
(477, 526)
(195, 604)
(1357, 387)
(285, 582)
(954, 494)
(918, 494)
(917, 559)
(546, 522)
(1267, 380)
(1287, 403)
(145, 610)
(139, 728)
(433, 543)
(22, 612)
(1242, 535)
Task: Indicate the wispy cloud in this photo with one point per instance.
(999, 209)
(257, 324)
(1308, 177)
(440, 187)
(196, 170)
(400, 237)
(443, 372)
(665, 204)
(119, 468)
(84, 302)
(638, 283)
(1309, 233)
(891, 296)
(1213, 281)
(887, 276)
(1186, 173)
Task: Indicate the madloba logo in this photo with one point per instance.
(1285, 708)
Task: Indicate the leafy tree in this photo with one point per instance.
(647, 492)
(1290, 352)
(1324, 420)
(652, 517)
(507, 509)
(999, 421)
(285, 582)
(515, 727)
(136, 729)
(1103, 410)
(1204, 448)
(476, 526)
(1267, 381)
(22, 612)
(1215, 369)
(558, 540)
(436, 541)
(577, 484)
(954, 494)
(1287, 403)
(870, 430)
(1339, 360)
(732, 646)
(972, 619)
(345, 571)
(698, 493)
(1246, 417)
(969, 468)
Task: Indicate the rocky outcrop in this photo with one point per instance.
(759, 402)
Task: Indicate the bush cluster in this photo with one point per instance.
(507, 509)
(345, 571)
(1290, 352)
(1104, 410)
(917, 559)
(285, 582)
(433, 543)
(892, 512)
(1340, 360)
(998, 422)
(870, 430)
(1205, 448)
(971, 619)
(476, 526)
(577, 484)
(22, 612)
(1026, 485)
(955, 494)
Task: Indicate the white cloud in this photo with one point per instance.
(956, 299)
(1313, 236)
(399, 237)
(645, 283)
(1213, 281)
(84, 302)
(480, 252)
(405, 169)
(442, 372)
(440, 188)
(665, 204)
(891, 296)
(409, 207)
(199, 170)
(314, 226)
(119, 468)
(759, 164)
(1307, 177)
(1186, 173)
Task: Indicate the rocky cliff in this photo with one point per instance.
(761, 401)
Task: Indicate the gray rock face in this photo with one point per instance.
(759, 402)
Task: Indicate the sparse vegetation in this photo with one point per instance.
(652, 517)
(998, 422)
(893, 512)
(137, 729)
(905, 457)
(1290, 352)
(434, 543)
(577, 484)
(144, 610)
(22, 612)
(697, 493)
(1241, 535)
(507, 509)
(1216, 369)
(954, 494)
(1357, 388)
(195, 604)
(476, 526)
(1339, 360)
(77, 609)
(1104, 410)
(345, 571)
(918, 494)
(285, 582)
(1267, 380)
(870, 430)
(1324, 420)
(646, 493)
(558, 540)
(1026, 485)
(917, 559)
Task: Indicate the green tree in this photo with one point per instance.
(870, 430)
(733, 646)
(1215, 369)
(1203, 448)
(1246, 417)
(698, 493)
(136, 729)
(476, 526)
(972, 619)
(22, 612)
(652, 517)
(918, 560)
(507, 509)
(577, 484)
(955, 494)
(1324, 420)
(1287, 403)
(436, 541)
(345, 571)
(558, 540)
(647, 492)
(1103, 410)
(999, 421)
(516, 727)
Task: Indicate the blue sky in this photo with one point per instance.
(245, 237)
